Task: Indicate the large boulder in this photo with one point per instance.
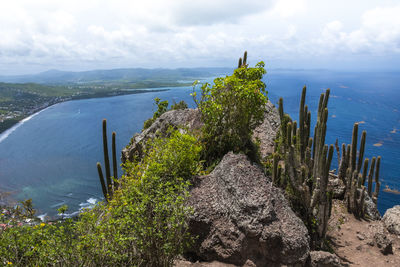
(266, 132)
(391, 219)
(239, 217)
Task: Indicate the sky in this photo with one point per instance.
(78, 35)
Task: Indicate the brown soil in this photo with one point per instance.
(352, 240)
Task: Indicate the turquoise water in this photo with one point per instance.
(52, 157)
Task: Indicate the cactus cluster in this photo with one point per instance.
(110, 184)
(302, 164)
(306, 162)
(243, 61)
(351, 175)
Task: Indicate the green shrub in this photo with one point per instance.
(180, 105)
(231, 109)
(145, 223)
(40, 245)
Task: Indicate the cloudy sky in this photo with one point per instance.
(100, 34)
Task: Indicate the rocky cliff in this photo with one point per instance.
(241, 219)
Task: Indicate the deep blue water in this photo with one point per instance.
(52, 157)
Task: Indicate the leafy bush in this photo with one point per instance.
(231, 109)
(145, 223)
(180, 105)
(39, 245)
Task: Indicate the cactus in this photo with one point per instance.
(240, 62)
(307, 173)
(353, 155)
(103, 185)
(109, 184)
(243, 61)
(362, 148)
(115, 168)
(245, 58)
(106, 158)
(275, 168)
(377, 183)
(349, 173)
(280, 109)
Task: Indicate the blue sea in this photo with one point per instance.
(51, 157)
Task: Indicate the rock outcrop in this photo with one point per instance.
(370, 208)
(266, 132)
(324, 259)
(188, 118)
(383, 240)
(191, 119)
(239, 217)
(391, 219)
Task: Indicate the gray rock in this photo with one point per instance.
(337, 186)
(239, 216)
(324, 259)
(383, 240)
(266, 132)
(391, 219)
(189, 118)
(370, 208)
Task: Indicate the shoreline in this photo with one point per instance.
(16, 123)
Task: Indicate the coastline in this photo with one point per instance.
(13, 124)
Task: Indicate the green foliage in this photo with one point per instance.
(180, 105)
(62, 210)
(29, 211)
(231, 109)
(161, 109)
(145, 222)
(40, 245)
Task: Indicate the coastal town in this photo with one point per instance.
(13, 111)
(18, 101)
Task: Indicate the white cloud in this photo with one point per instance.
(71, 34)
(289, 8)
(379, 34)
(207, 12)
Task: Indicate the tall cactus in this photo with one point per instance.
(307, 172)
(350, 173)
(106, 158)
(243, 61)
(240, 62)
(109, 184)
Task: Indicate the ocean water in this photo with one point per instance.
(52, 156)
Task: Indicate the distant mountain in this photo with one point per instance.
(56, 77)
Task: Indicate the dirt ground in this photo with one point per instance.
(353, 240)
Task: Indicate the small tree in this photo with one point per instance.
(231, 109)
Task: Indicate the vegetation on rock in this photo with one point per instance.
(231, 109)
